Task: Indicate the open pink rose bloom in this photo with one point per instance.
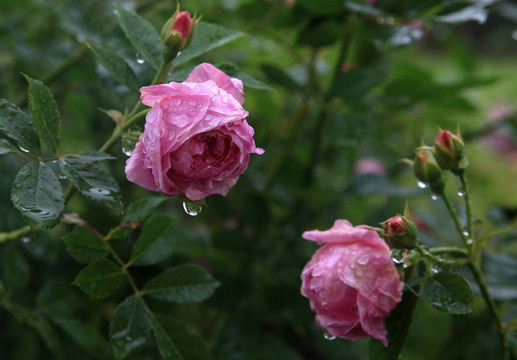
(196, 139)
(351, 282)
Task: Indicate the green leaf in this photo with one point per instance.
(129, 326)
(247, 80)
(85, 336)
(356, 82)
(50, 337)
(186, 283)
(94, 156)
(280, 77)
(93, 183)
(175, 340)
(397, 324)
(15, 269)
(142, 34)
(449, 292)
(100, 279)
(44, 113)
(206, 37)
(116, 66)
(37, 193)
(141, 209)
(153, 230)
(84, 246)
(6, 147)
(57, 298)
(15, 125)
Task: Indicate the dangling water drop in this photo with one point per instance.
(139, 58)
(192, 208)
(421, 185)
(461, 192)
(466, 233)
(61, 176)
(435, 268)
(328, 336)
(398, 256)
(470, 241)
(127, 146)
(25, 239)
(434, 197)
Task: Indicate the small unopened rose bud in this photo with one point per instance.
(176, 33)
(449, 150)
(427, 169)
(400, 232)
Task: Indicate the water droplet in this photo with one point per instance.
(398, 256)
(514, 35)
(435, 268)
(461, 192)
(421, 185)
(25, 239)
(61, 176)
(328, 336)
(23, 149)
(363, 259)
(465, 233)
(192, 208)
(470, 241)
(139, 58)
(434, 197)
(99, 191)
(54, 161)
(127, 146)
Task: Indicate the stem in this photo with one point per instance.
(468, 205)
(480, 279)
(457, 222)
(429, 254)
(15, 234)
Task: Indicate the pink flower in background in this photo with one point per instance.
(351, 282)
(369, 165)
(196, 139)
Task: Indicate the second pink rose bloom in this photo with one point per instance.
(196, 139)
(351, 282)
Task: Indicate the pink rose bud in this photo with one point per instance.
(449, 150)
(427, 169)
(351, 282)
(176, 33)
(400, 232)
(196, 139)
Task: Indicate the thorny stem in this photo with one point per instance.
(468, 206)
(476, 270)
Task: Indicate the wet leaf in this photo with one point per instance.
(92, 182)
(153, 230)
(94, 156)
(142, 34)
(84, 246)
(116, 66)
(15, 125)
(129, 326)
(37, 194)
(449, 292)
(176, 340)
(6, 147)
(186, 283)
(100, 279)
(206, 37)
(44, 113)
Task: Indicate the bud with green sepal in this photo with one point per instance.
(427, 169)
(449, 151)
(177, 33)
(400, 232)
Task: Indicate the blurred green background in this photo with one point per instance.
(346, 85)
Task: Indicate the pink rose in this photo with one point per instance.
(196, 139)
(351, 282)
